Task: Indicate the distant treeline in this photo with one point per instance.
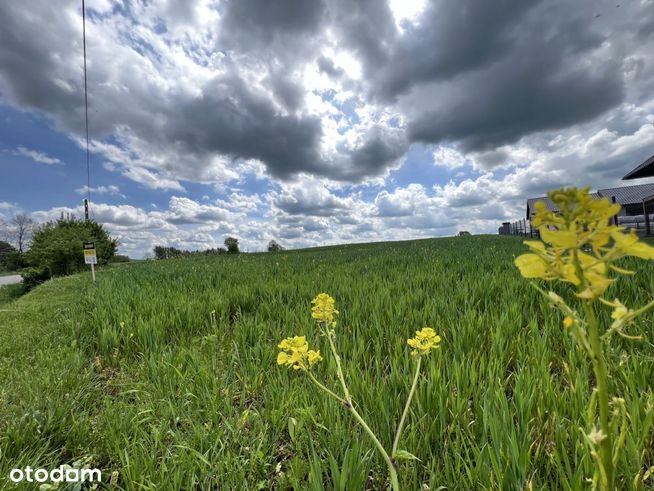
(231, 247)
(161, 252)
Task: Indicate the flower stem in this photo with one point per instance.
(315, 381)
(642, 310)
(601, 380)
(339, 370)
(398, 433)
(395, 485)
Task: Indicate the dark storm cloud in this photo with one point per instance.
(366, 26)
(255, 23)
(480, 74)
(548, 79)
(31, 74)
(514, 104)
(302, 204)
(287, 92)
(327, 66)
(451, 38)
(380, 149)
(229, 118)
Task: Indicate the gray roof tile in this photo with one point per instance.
(629, 195)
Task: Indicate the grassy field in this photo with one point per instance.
(165, 372)
(10, 292)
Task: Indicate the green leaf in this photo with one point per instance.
(404, 455)
(292, 423)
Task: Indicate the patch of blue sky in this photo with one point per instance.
(141, 46)
(346, 107)
(45, 184)
(419, 167)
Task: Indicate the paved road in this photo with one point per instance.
(10, 280)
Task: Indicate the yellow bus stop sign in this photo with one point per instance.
(90, 256)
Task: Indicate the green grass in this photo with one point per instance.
(9, 293)
(187, 395)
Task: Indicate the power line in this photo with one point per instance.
(86, 116)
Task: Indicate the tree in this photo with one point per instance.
(7, 255)
(57, 245)
(161, 252)
(6, 248)
(273, 246)
(21, 229)
(232, 245)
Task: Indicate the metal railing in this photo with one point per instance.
(520, 228)
(523, 228)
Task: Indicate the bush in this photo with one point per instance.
(8, 256)
(13, 261)
(273, 246)
(232, 245)
(33, 277)
(57, 245)
(215, 252)
(161, 252)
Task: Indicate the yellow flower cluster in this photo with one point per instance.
(323, 309)
(296, 353)
(579, 243)
(425, 340)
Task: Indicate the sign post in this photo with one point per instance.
(90, 257)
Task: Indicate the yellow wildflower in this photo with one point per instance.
(629, 245)
(575, 243)
(559, 238)
(620, 310)
(323, 309)
(531, 266)
(313, 357)
(296, 353)
(568, 322)
(425, 340)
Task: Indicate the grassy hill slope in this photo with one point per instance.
(165, 372)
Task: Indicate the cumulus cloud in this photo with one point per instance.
(186, 90)
(309, 197)
(36, 156)
(111, 190)
(183, 210)
(8, 211)
(319, 103)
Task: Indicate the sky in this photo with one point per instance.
(317, 122)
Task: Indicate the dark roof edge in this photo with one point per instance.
(641, 170)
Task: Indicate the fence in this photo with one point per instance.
(521, 227)
(641, 224)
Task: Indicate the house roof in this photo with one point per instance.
(646, 169)
(628, 195)
(532, 201)
(625, 195)
(548, 203)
